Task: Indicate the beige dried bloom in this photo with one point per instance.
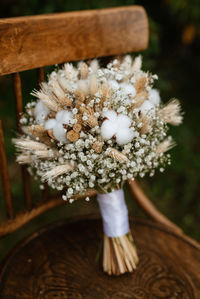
(116, 155)
(137, 64)
(24, 159)
(57, 170)
(83, 70)
(165, 146)
(140, 84)
(97, 146)
(139, 99)
(171, 113)
(146, 124)
(24, 144)
(93, 85)
(73, 136)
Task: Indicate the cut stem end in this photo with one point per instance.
(119, 255)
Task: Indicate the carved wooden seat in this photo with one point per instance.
(58, 261)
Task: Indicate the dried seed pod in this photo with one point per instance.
(25, 144)
(97, 146)
(83, 87)
(66, 102)
(73, 136)
(91, 121)
(84, 110)
(78, 117)
(93, 85)
(36, 130)
(52, 114)
(171, 113)
(57, 90)
(146, 125)
(58, 170)
(140, 84)
(104, 94)
(77, 127)
(139, 99)
(64, 84)
(50, 133)
(116, 155)
(79, 95)
(47, 99)
(83, 70)
(165, 146)
(137, 64)
(24, 159)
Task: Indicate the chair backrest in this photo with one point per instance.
(34, 42)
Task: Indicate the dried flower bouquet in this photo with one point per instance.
(94, 128)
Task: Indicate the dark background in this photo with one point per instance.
(174, 54)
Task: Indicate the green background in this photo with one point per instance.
(173, 54)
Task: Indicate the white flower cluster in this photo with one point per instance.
(96, 127)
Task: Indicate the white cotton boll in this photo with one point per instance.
(128, 89)
(59, 133)
(154, 96)
(41, 109)
(147, 107)
(40, 118)
(124, 136)
(113, 84)
(50, 124)
(123, 121)
(110, 114)
(64, 117)
(108, 129)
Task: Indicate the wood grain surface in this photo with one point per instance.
(37, 41)
(59, 262)
(5, 176)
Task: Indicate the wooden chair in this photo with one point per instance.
(58, 261)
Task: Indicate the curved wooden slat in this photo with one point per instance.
(22, 218)
(5, 176)
(149, 207)
(36, 41)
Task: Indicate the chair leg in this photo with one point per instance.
(149, 207)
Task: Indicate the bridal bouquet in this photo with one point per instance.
(92, 128)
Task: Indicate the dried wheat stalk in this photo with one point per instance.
(119, 255)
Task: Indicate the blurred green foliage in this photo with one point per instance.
(173, 54)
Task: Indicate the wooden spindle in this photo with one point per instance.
(40, 74)
(19, 109)
(5, 176)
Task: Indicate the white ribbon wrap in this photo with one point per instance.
(114, 213)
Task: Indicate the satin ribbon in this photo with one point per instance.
(114, 213)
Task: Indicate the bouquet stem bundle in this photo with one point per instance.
(119, 254)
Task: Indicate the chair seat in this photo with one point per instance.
(59, 261)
